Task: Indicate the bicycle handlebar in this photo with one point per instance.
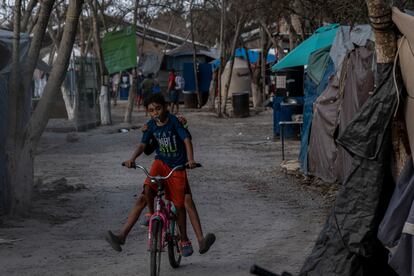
(135, 165)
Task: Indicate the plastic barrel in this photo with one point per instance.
(190, 99)
(240, 104)
(123, 93)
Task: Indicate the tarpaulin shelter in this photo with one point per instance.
(339, 103)
(348, 239)
(312, 91)
(321, 38)
(253, 55)
(347, 244)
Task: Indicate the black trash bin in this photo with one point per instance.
(190, 99)
(240, 102)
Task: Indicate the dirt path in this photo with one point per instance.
(257, 213)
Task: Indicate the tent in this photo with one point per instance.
(319, 61)
(336, 107)
(240, 77)
(322, 38)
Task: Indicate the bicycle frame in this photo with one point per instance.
(163, 213)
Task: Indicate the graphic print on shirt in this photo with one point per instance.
(167, 142)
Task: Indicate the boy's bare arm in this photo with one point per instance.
(190, 153)
(137, 152)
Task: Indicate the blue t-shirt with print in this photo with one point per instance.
(170, 138)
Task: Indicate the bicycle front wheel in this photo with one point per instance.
(156, 247)
(174, 254)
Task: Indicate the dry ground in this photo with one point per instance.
(258, 214)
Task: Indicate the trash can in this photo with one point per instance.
(240, 103)
(123, 93)
(190, 99)
(284, 112)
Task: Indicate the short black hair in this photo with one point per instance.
(155, 98)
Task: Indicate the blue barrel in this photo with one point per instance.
(123, 93)
(284, 113)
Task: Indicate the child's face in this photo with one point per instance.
(157, 111)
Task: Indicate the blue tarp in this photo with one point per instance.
(312, 91)
(241, 53)
(204, 77)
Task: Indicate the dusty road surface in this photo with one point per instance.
(257, 213)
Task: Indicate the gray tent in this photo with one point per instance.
(334, 109)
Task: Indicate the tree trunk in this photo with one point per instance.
(233, 51)
(12, 148)
(379, 13)
(104, 101)
(70, 104)
(276, 45)
(27, 14)
(133, 89)
(33, 55)
(263, 57)
(222, 61)
(212, 90)
(197, 90)
(22, 183)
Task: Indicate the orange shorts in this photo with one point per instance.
(176, 187)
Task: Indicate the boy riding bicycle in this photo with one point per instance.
(174, 148)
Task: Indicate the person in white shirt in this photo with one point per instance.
(179, 86)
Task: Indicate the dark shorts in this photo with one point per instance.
(174, 96)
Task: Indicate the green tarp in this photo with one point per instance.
(317, 64)
(322, 37)
(120, 50)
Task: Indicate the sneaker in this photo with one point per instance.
(186, 248)
(114, 241)
(146, 220)
(206, 243)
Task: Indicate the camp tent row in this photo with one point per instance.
(349, 140)
(338, 80)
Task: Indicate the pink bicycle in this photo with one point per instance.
(163, 229)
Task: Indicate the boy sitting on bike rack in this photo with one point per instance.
(174, 148)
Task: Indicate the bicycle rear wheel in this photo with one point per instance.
(156, 248)
(174, 254)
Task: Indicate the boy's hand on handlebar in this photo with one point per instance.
(191, 164)
(129, 163)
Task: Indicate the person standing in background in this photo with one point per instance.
(139, 96)
(179, 86)
(147, 85)
(171, 85)
(125, 85)
(115, 87)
